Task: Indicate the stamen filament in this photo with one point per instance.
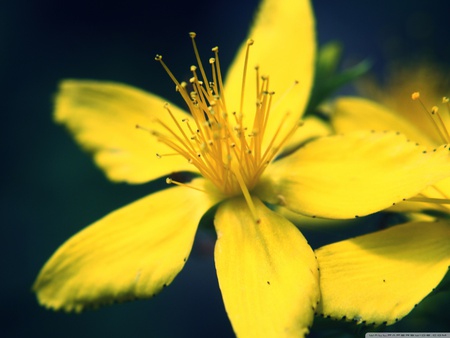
(244, 75)
(441, 122)
(178, 85)
(429, 200)
(246, 194)
(158, 155)
(171, 181)
(166, 106)
(197, 56)
(219, 77)
(416, 96)
(285, 93)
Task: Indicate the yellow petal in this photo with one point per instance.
(131, 253)
(350, 175)
(311, 128)
(353, 113)
(103, 118)
(267, 272)
(401, 81)
(284, 49)
(380, 277)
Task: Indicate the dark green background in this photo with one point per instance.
(51, 190)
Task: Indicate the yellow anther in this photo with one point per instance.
(158, 57)
(445, 99)
(192, 34)
(415, 95)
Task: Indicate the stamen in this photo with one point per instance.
(435, 119)
(247, 196)
(286, 93)
(158, 155)
(171, 181)
(181, 87)
(439, 201)
(429, 200)
(219, 77)
(446, 100)
(197, 56)
(224, 150)
(244, 75)
(138, 126)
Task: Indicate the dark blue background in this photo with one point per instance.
(51, 190)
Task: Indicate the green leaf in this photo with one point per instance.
(328, 78)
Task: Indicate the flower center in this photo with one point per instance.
(216, 141)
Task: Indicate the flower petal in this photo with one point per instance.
(311, 128)
(267, 272)
(131, 253)
(353, 113)
(103, 118)
(284, 48)
(380, 277)
(350, 175)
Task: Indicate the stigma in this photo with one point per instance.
(215, 139)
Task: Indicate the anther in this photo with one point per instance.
(158, 57)
(415, 95)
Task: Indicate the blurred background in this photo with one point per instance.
(51, 189)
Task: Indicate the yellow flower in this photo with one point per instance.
(230, 139)
(423, 118)
(380, 277)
